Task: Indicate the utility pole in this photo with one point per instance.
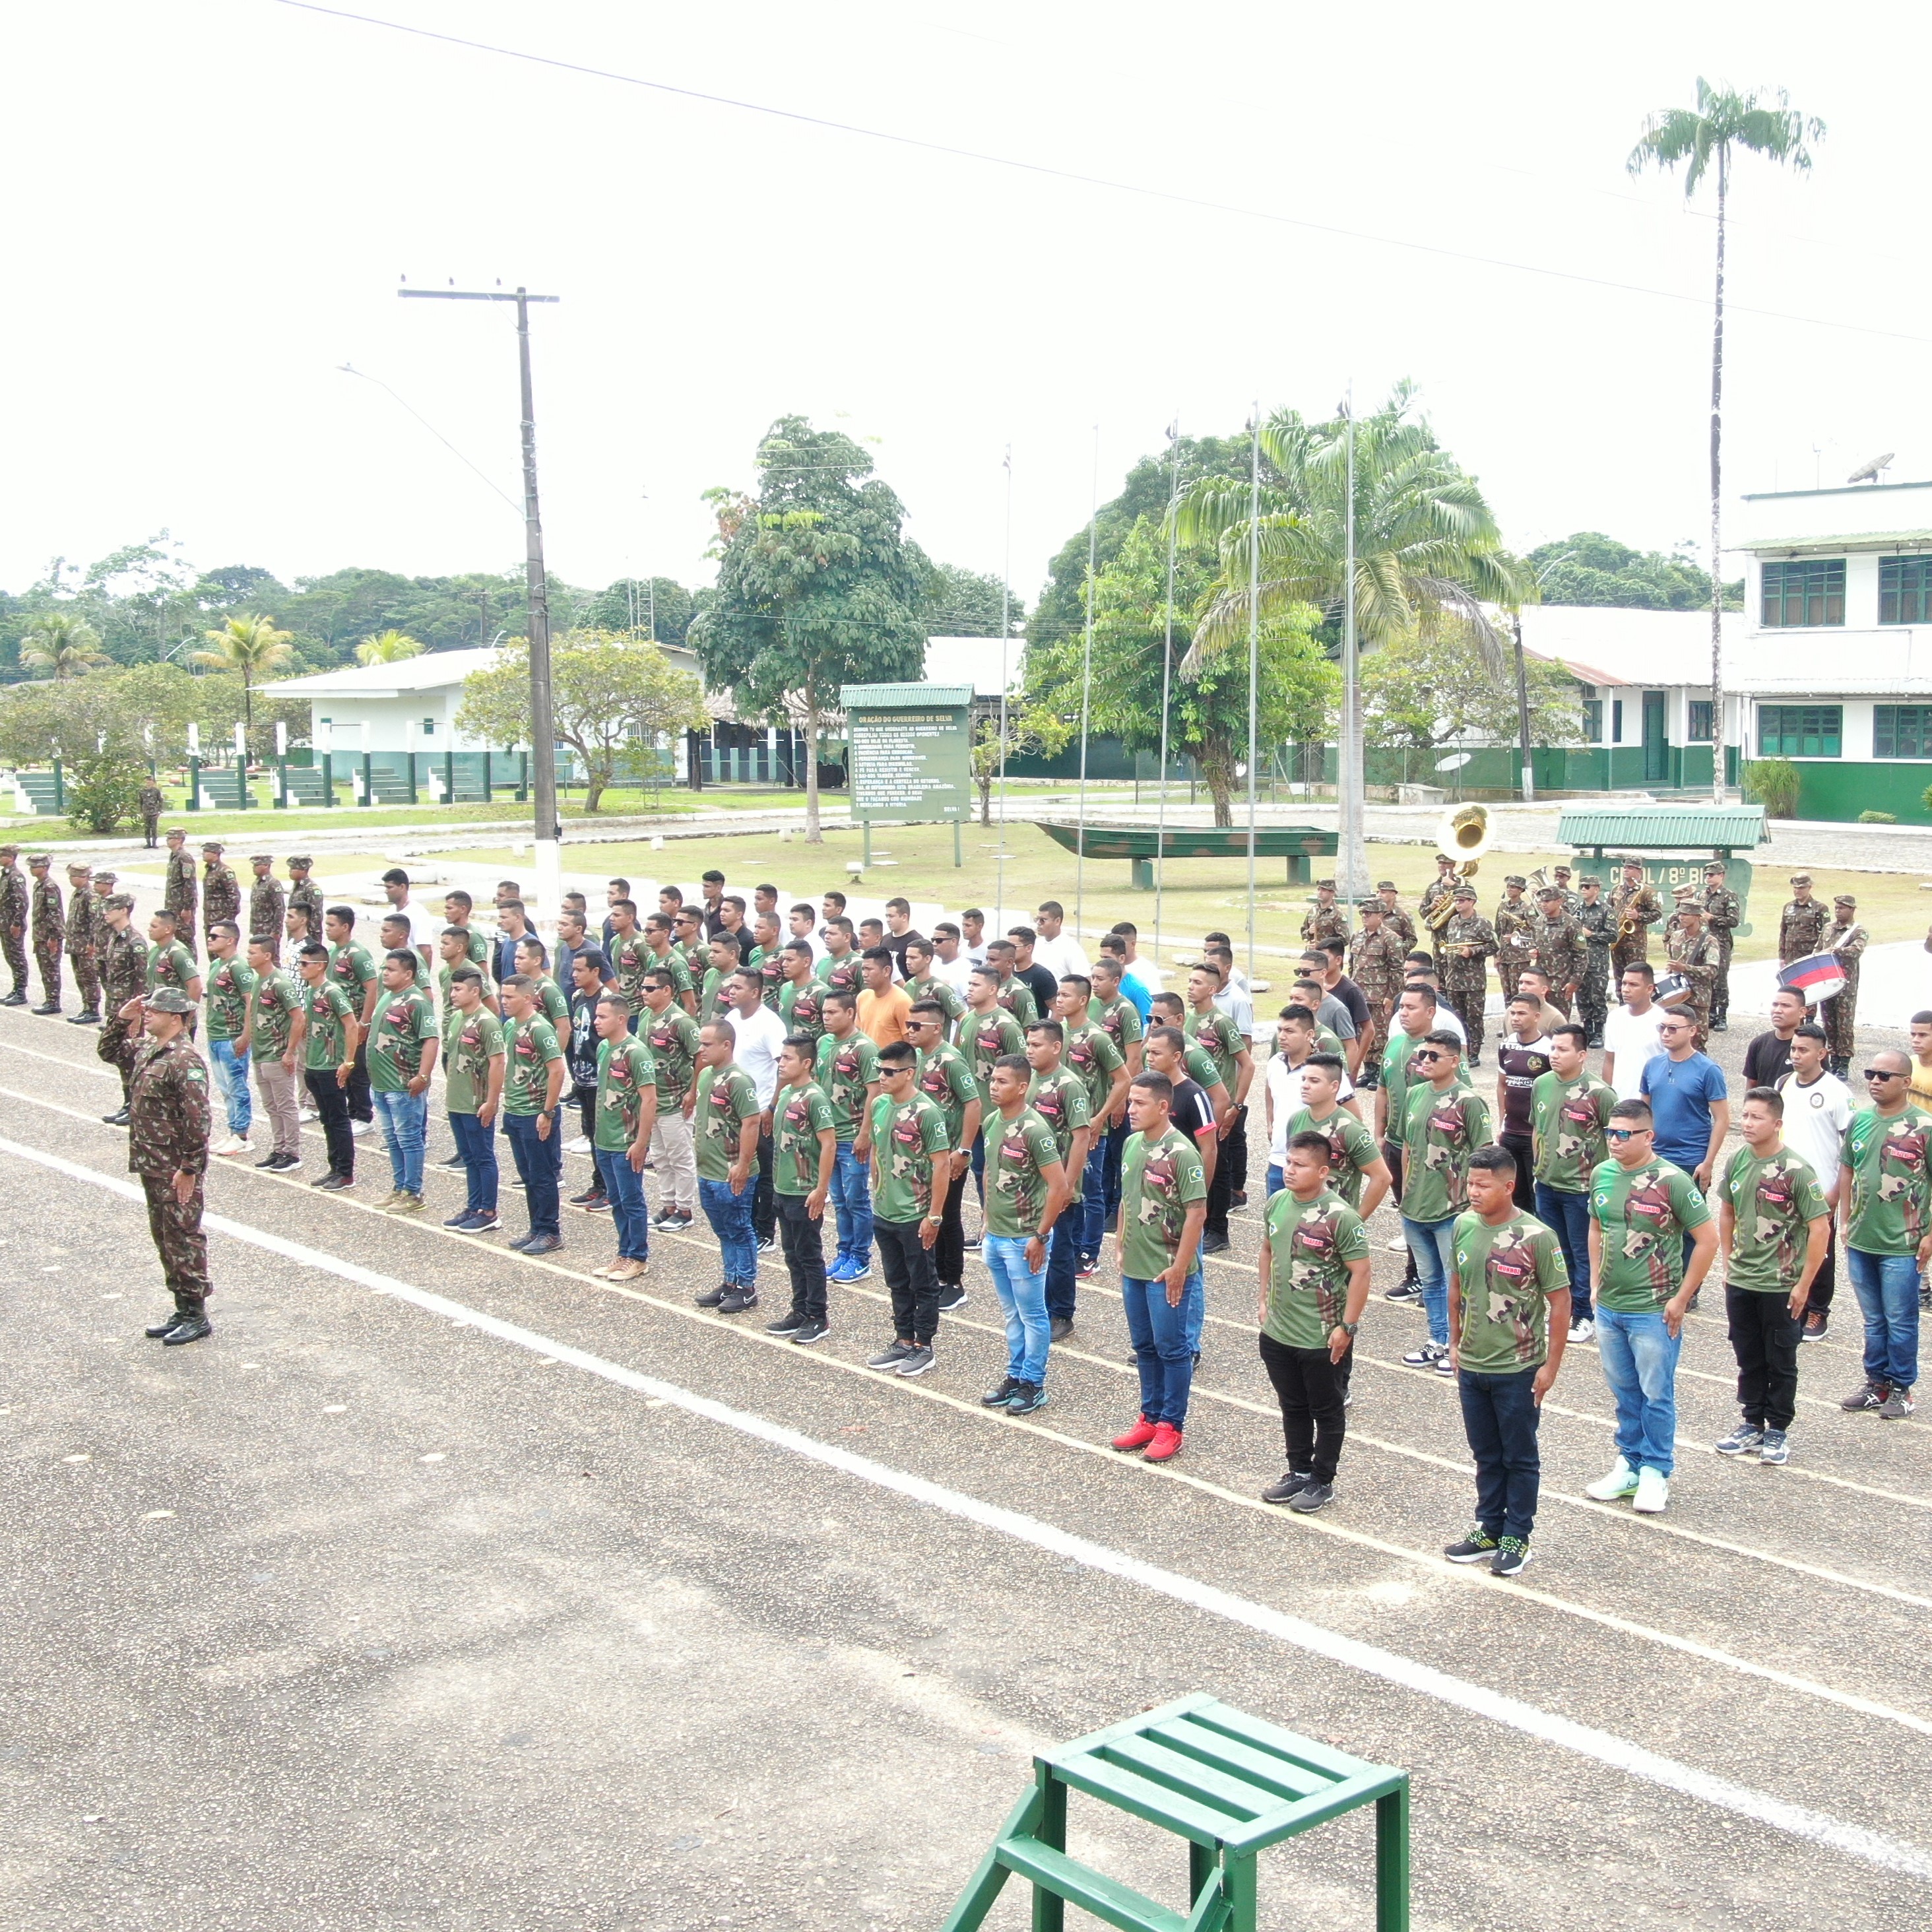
(543, 728)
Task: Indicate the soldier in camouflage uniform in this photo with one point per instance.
(1557, 946)
(1694, 953)
(167, 1147)
(1848, 940)
(1635, 904)
(150, 805)
(123, 979)
(1572, 900)
(1593, 997)
(83, 940)
(1376, 957)
(303, 891)
(1722, 913)
(182, 892)
(220, 891)
(1801, 927)
(13, 923)
(1515, 922)
(267, 909)
(1468, 940)
(1395, 916)
(1324, 919)
(1440, 890)
(50, 919)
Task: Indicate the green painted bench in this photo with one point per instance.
(1142, 843)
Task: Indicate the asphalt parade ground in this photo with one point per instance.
(448, 1588)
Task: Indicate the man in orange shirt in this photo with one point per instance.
(883, 1006)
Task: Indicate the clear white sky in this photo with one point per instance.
(210, 202)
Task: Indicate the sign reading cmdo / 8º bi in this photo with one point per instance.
(910, 751)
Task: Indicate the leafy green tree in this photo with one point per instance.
(609, 693)
(62, 642)
(968, 603)
(390, 647)
(817, 587)
(1030, 728)
(1706, 140)
(252, 649)
(1422, 692)
(656, 607)
(1208, 696)
(1589, 568)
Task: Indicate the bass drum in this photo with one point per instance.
(1672, 990)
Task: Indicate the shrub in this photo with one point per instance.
(1878, 818)
(1774, 784)
(101, 794)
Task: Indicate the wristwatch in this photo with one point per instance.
(1348, 1327)
(935, 1220)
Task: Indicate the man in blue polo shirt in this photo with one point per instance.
(1689, 1101)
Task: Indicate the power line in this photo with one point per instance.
(1047, 171)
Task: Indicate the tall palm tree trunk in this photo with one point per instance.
(813, 836)
(1716, 472)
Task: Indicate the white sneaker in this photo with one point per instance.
(233, 1144)
(1653, 1493)
(580, 1144)
(359, 1128)
(1621, 1481)
(243, 1145)
(307, 1114)
(1400, 1245)
(1582, 1330)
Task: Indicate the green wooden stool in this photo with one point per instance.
(1227, 1783)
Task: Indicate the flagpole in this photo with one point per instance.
(1006, 646)
(1353, 869)
(1086, 687)
(1254, 657)
(1166, 683)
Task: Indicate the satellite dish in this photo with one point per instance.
(1454, 762)
(1870, 472)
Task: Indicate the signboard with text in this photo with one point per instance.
(910, 751)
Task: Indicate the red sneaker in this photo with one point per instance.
(1166, 1443)
(1140, 1435)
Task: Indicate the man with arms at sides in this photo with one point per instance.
(1641, 1208)
(1767, 1057)
(924, 981)
(630, 955)
(1689, 1104)
(805, 1152)
(912, 1169)
(1041, 983)
(802, 924)
(988, 1034)
(402, 1045)
(1443, 1123)
(1134, 969)
(1773, 1220)
(973, 922)
(839, 971)
(899, 934)
(726, 1119)
(1193, 1107)
(1361, 1175)
(1285, 1090)
(1921, 1054)
(1631, 1038)
(1058, 1095)
(1055, 947)
(1522, 1058)
(589, 981)
(1817, 1111)
(1136, 992)
(627, 1106)
(757, 1034)
(323, 1041)
(1314, 1275)
(533, 1078)
(1416, 1016)
(273, 1002)
(472, 1093)
(946, 1080)
(883, 1006)
(1120, 1019)
(1509, 1317)
(1884, 1224)
(847, 1071)
(671, 1034)
(949, 962)
(1221, 1041)
(664, 957)
(1091, 1054)
(1163, 1205)
(1569, 1110)
(1027, 1190)
(1015, 993)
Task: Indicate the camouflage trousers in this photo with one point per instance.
(48, 959)
(1375, 1037)
(116, 1045)
(1839, 1017)
(87, 977)
(178, 1240)
(1467, 1004)
(150, 828)
(16, 958)
(1593, 1007)
(1720, 991)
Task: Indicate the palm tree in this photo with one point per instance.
(251, 646)
(387, 647)
(1703, 138)
(58, 641)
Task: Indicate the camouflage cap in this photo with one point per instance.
(211, 845)
(1687, 897)
(109, 877)
(169, 1000)
(1514, 879)
(1324, 885)
(1371, 905)
(262, 859)
(40, 859)
(77, 866)
(124, 901)
(1846, 899)
(1385, 885)
(176, 833)
(1443, 859)
(1563, 871)
(9, 851)
(1797, 878)
(1464, 891)
(1715, 865)
(304, 861)
(1551, 892)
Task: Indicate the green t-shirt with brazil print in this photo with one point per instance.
(1060, 1099)
(943, 993)
(1310, 1245)
(277, 999)
(630, 959)
(726, 1099)
(801, 1114)
(624, 1071)
(1645, 1213)
(1018, 1153)
(1351, 1149)
(802, 1008)
(327, 1006)
(170, 965)
(1092, 1055)
(1440, 1130)
(1505, 1276)
(228, 983)
(470, 1041)
(529, 1047)
(906, 1134)
(397, 1028)
(845, 1068)
(1773, 1202)
(1218, 1037)
(1400, 1072)
(947, 1082)
(983, 1038)
(1566, 1122)
(1160, 1180)
(1891, 1160)
(1119, 1019)
(674, 1039)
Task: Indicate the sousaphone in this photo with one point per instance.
(1464, 834)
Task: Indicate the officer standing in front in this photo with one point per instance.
(167, 1147)
(150, 805)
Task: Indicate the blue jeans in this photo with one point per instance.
(1160, 1335)
(852, 1196)
(1887, 1287)
(624, 1188)
(1567, 1217)
(1640, 1358)
(1499, 1417)
(231, 1075)
(1023, 1295)
(1276, 1180)
(1093, 1199)
(1063, 1255)
(1430, 1243)
(405, 1119)
(731, 1217)
(477, 1144)
(538, 1161)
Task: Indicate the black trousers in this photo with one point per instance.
(1234, 1153)
(361, 1107)
(1524, 1149)
(1220, 1190)
(1764, 1338)
(1824, 1283)
(804, 1255)
(1309, 1388)
(949, 1251)
(764, 1208)
(908, 1262)
(586, 1098)
(332, 1104)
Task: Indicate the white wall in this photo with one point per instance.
(1813, 516)
(395, 724)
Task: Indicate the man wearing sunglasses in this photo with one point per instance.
(1690, 1102)
(1443, 1123)
(1641, 1208)
(1885, 1226)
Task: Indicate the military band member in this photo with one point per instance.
(1572, 898)
(1324, 919)
(1395, 917)
(267, 910)
(220, 891)
(1693, 953)
(1515, 921)
(1599, 927)
(1723, 911)
(167, 1147)
(1557, 945)
(151, 805)
(84, 927)
(1375, 964)
(181, 892)
(49, 923)
(13, 913)
(1801, 927)
(1848, 940)
(1634, 908)
(124, 977)
(1440, 891)
(1468, 940)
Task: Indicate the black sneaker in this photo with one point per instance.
(1474, 1547)
(455, 1163)
(971, 1244)
(738, 1300)
(1406, 1291)
(786, 1326)
(917, 1361)
(1214, 1244)
(1059, 1328)
(998, 1398)
(1087, 1270)
(769, 1246)
(1512, 1558)
(1026, 1397)
(1291, 1485)
(951, 1296)
(1239, 1197)
(268, 1160)
(1871, 1396)
(591, 1197)
(1313, 1496)
(667, 1218)
(483, 1221)
(891, 1357)
(713, 1297)
(812, 1331)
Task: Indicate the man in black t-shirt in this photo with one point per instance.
(1523, 1057)
(1768, 1058)
(1037, 979)
(590, 978)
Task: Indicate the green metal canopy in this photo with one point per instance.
(889, 697)
(1662, 828)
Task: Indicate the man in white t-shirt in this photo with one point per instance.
(1054, 946)
(1817, 1111)
(1133, 967)
(949, 962)
(1630, 1038)
(423, 929)
(757, 1032)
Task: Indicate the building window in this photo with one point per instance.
(1593, 721)
(1904, 592)
(1697, 730)
(1902, 730)
(429, 727)
(1616, 720)
(1799, 731)
(1805, 590)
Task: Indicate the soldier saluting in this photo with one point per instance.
(1723, 913)
(167, 1147)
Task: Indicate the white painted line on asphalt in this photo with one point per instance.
(1606, 1747)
